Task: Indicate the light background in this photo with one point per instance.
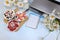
(24, 33)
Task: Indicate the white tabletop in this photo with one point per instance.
(24, 33)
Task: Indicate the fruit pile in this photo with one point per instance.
(14, 20)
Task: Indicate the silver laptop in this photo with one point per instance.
(43, 5)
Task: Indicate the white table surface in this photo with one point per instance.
(24, 33)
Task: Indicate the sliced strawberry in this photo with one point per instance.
(13, 25)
